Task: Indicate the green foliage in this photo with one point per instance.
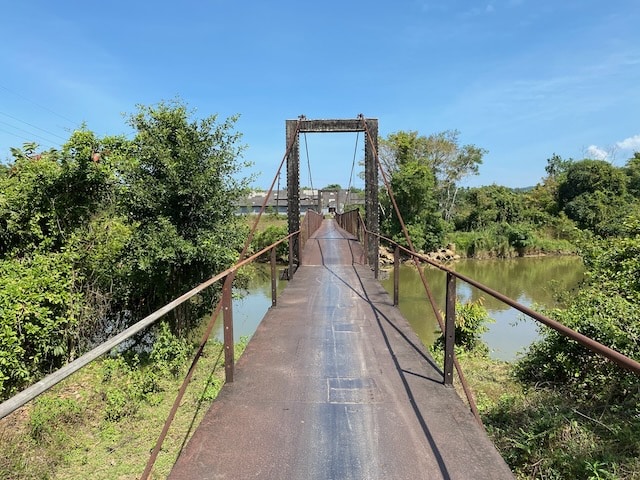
(632, 171)
(542, 434)
(125, 386)
(270, 235)
(39, 314)
(181, 189)
(506, 240)
(49, 412)
(580, 417)
(441, 153)
(106, 230)
(169, 353)
(593, 194)
(413, 188)
(485, 206)
(472, 321)
(604, 309)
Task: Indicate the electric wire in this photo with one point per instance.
(16, 135)
(34, 126)
(73, 122)
(48, 140)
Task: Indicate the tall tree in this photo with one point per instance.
(413, 187)
(632, 169)
(180, 187)
(593, 194)
(442, 153)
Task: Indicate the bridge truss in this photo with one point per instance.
(369, 126)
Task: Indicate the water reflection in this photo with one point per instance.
(534, 282)
(251, 304)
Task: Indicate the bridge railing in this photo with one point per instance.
(310, 223)
(224, 304)
(447, 325)
(350, 221)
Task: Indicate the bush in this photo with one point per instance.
(169, 353)
(126, 386)
(39, 312)
(48, 412)
(270, 235)
(471, 323)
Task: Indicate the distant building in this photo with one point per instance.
(318, 200)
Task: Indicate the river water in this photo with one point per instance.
(534, 282)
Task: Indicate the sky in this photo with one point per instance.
(522, 79)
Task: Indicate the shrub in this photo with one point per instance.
(270, 235)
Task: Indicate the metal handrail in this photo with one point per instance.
(56, 377)
(597, 347)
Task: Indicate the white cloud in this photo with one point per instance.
(596, 153)
(631, 143)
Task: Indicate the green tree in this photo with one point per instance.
(180, 189)
(605, 309)
(413, 187)
(442, 153)
(104, 230)
(593, 194)
(485, 206)
(632, 170)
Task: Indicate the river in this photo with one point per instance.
(534, 282)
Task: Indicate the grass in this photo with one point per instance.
(76, 432)
(545, 433)
(267, 220)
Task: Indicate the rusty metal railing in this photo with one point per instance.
(596, 347)
(25, 396)
(350, 221)
(224, 305)
(310, 223)
(447, 325)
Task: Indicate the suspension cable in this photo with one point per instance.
(353, 165)
(438, 315)
(306, 147)
(205, 337)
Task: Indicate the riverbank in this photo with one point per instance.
(542, 432)
(102, 422)
(536, 282)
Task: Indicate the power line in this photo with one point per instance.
(73, 122)
(33, 126)
(308, 162)
(48, 140)
(16, 135)
(353, 165)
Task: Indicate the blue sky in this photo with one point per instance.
(523, 79)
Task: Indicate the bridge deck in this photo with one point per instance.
(335, 385)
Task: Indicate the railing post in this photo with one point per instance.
(290, 268)
(366, 248)
(396, 276)
(227, 315)
(274, 291)
(449, 329)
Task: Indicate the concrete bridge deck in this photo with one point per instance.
(336, 385)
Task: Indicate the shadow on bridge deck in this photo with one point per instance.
(335, 385)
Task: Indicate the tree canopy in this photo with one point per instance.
(427, 171)
(105, 230)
